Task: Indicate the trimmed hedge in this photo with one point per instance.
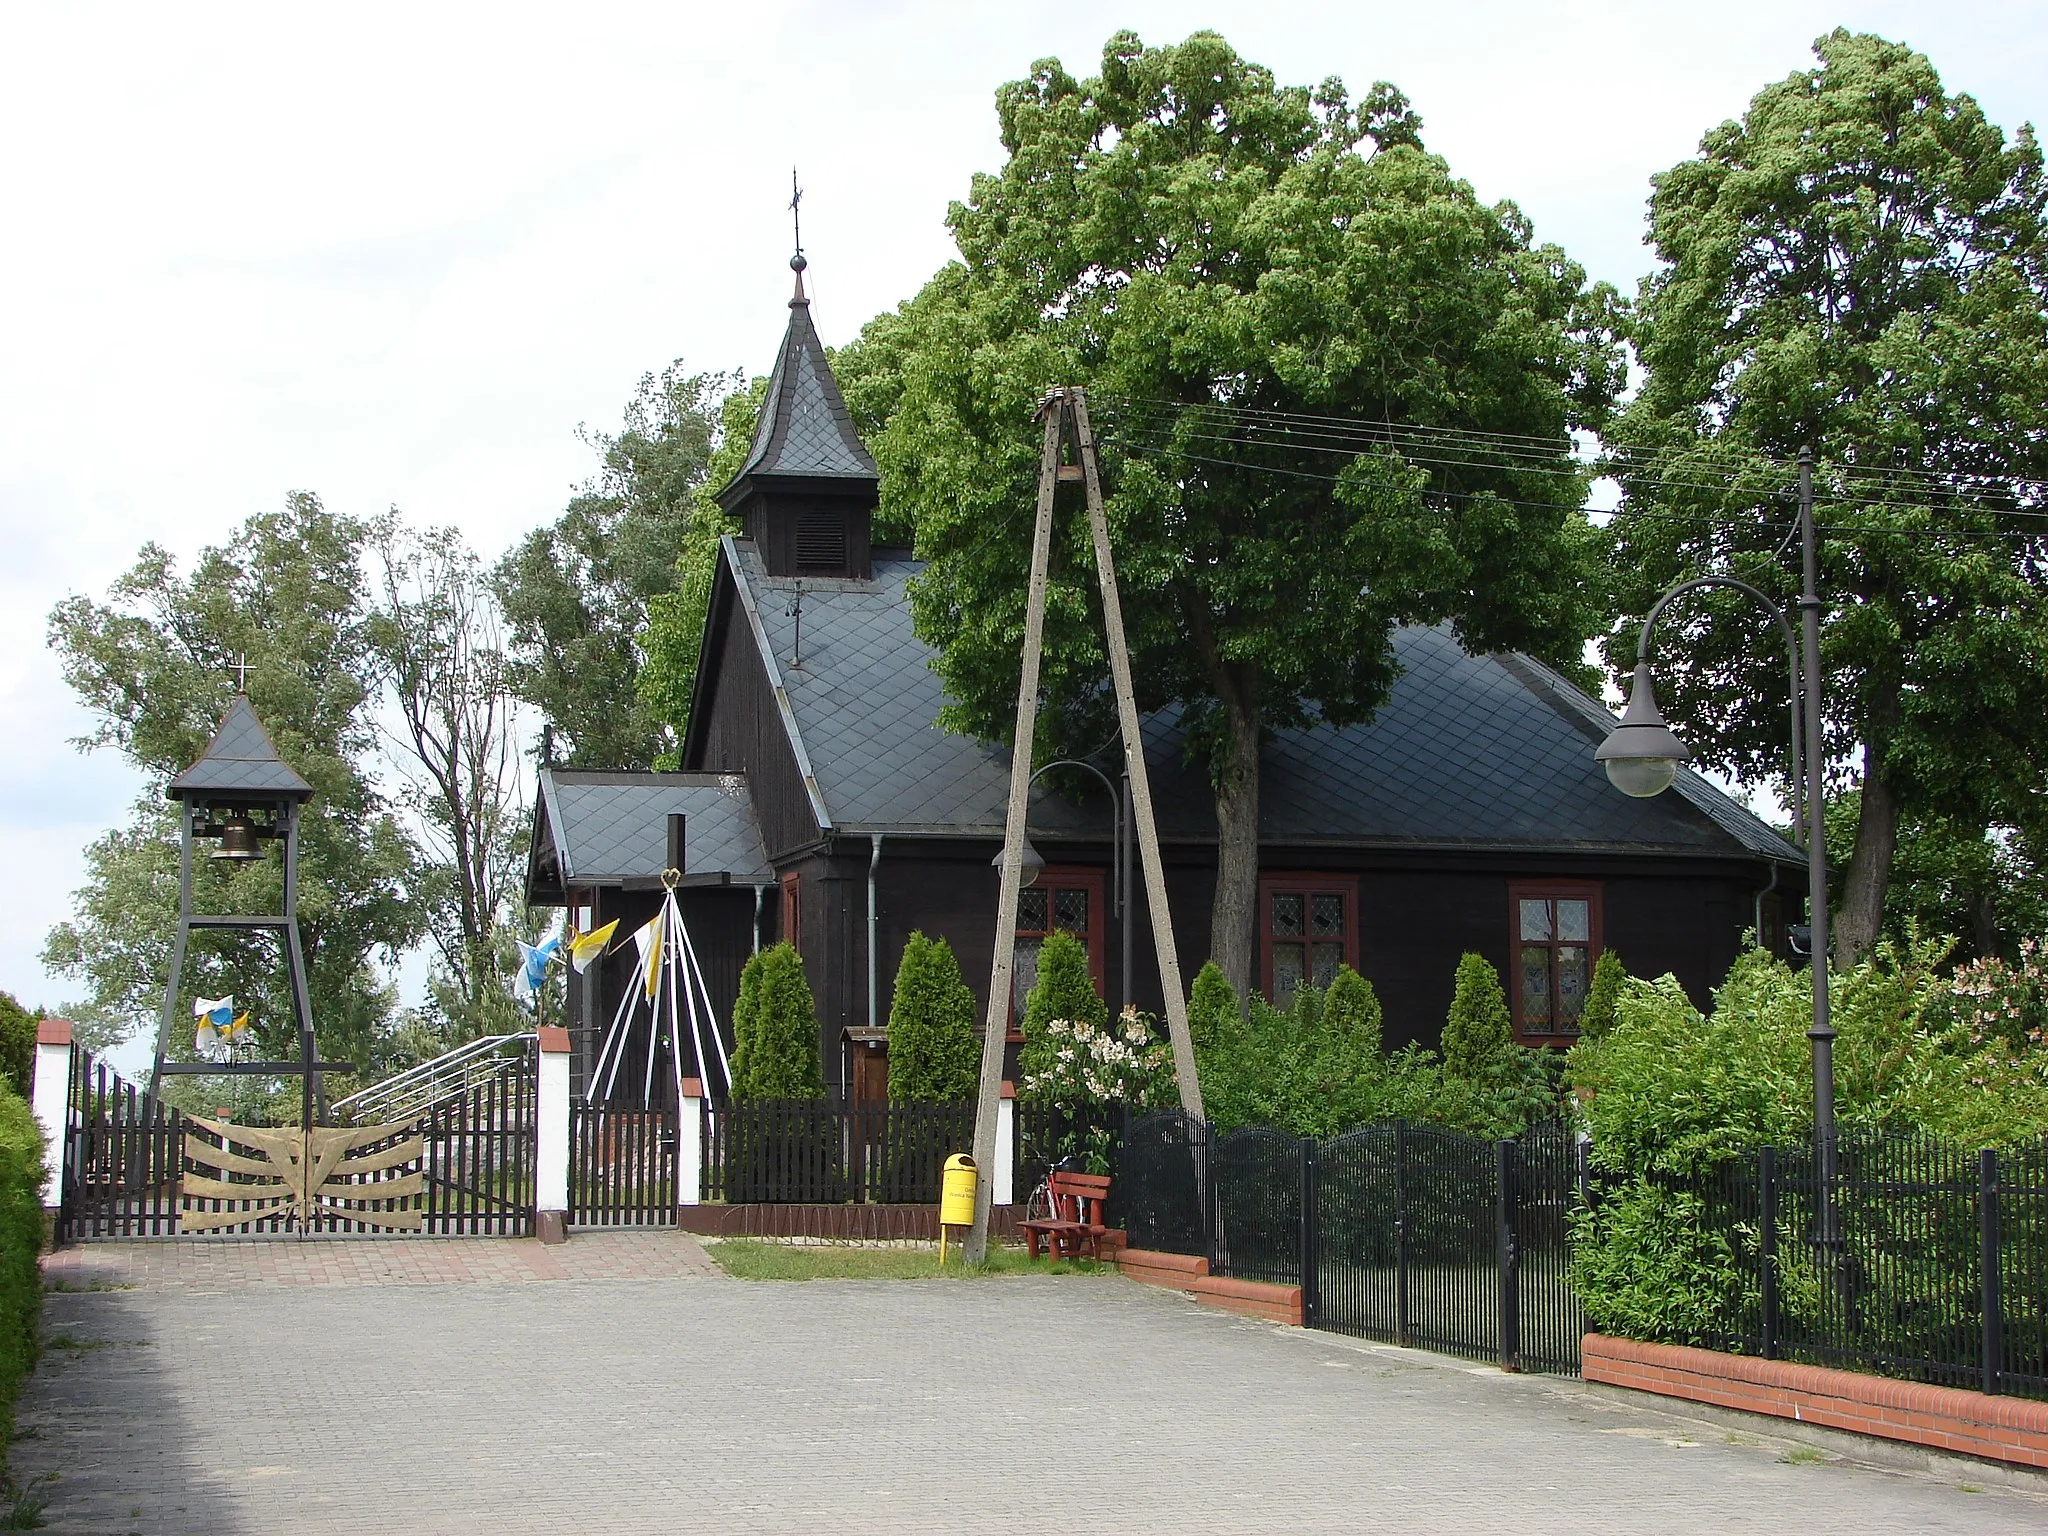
(21, 1240)
(934, 1048)
(775, 1030)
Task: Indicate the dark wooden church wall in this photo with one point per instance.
(743, 729)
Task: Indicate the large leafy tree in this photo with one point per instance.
(1197, 242)
(1856, 267)
(575, 594)
(151, 664)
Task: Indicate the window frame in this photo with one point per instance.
(1588, 891)
(1069, 877)
(1306, 883)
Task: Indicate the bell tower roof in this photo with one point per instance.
(241, 760)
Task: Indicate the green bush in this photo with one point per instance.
(1596, 1018)
(934, 1049)
(775, 1030)
(21, 1239)
(1064, 989)
(1478, 1028)
(1490, 1086)
(17, 1045)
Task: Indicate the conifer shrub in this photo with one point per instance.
(1490, 1086)
(934, 1049)
(1478, 1028)
(775, 1030)
(1596, 1018)
(17, 1045)
(21, 1239)
(1064, 989)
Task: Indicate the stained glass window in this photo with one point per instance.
(1556, 932)
(1307, 935)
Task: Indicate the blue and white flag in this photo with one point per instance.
(533, 967)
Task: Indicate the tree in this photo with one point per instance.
(435, 629)
(151, 664)
(675, 619)
(1596, 1017)
(934, 1047)
(1857, 267)
(575, 593)
(1062, 989)
(775, 1030)
(1196, 242)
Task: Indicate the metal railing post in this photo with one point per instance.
(1401, 1232)
(1311, 1238)
(1508, 1286)
(1993, 1304)
(1767, 1240)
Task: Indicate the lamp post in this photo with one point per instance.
(1120, 860)
(1642, 755)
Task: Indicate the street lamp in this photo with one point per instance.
(1642, 755)
(1120, 862)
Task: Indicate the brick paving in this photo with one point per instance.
(617, 1385)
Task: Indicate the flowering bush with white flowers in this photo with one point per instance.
(1090, 1072)
(1993, 1002)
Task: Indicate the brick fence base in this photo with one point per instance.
(1185, 1272)
(2007, 1429)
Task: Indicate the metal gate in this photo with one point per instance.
(126, 1158)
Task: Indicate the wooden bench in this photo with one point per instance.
(1074, 1229)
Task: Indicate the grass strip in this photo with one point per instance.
(753, 1259)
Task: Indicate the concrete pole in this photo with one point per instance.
(50, 1099)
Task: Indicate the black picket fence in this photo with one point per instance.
(622, 1166)
(1406, 1233)
(1919, 1259)
(831, 1152)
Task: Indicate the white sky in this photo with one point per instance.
(395, 254)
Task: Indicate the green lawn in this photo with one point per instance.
(752, 1259)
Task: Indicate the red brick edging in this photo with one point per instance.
(1184, 1272)
(2009, 1429)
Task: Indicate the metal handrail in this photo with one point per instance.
(417, 1089)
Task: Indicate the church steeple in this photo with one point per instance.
(807, 492)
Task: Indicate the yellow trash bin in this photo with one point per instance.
(956, 1197)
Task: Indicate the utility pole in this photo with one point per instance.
(1059, 407)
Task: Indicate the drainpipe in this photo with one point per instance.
(874, 959)
(759, 892)
(1760, 895)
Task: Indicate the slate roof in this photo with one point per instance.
(240, 760)
(611, 827)
(803, 428)
(1470, 752)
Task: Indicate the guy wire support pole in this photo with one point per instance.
(1134, 762)
(1822, 1034)
(995, 1028)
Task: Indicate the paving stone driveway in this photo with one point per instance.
(618, 1384)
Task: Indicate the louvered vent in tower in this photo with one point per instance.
(821, 541)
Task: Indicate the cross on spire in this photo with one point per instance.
(796, 219)
(241, 671)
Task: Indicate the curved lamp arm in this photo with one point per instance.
(1801, 830)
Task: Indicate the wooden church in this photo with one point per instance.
(820, 803)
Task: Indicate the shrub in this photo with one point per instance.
(1478, 1028)
(17, 1045)
(934, 1050)
(775, 1029)
(1128, 1065)
(1596, 1018)
(1064, 989)
(21, 1239)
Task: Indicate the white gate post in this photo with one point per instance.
(690, 1143)
(551, 1157)
(1003, 1178)
(50, 1098)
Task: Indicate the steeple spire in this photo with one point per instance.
(797, 262)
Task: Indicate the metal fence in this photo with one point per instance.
(1920, 1259)
(1407, 1233)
